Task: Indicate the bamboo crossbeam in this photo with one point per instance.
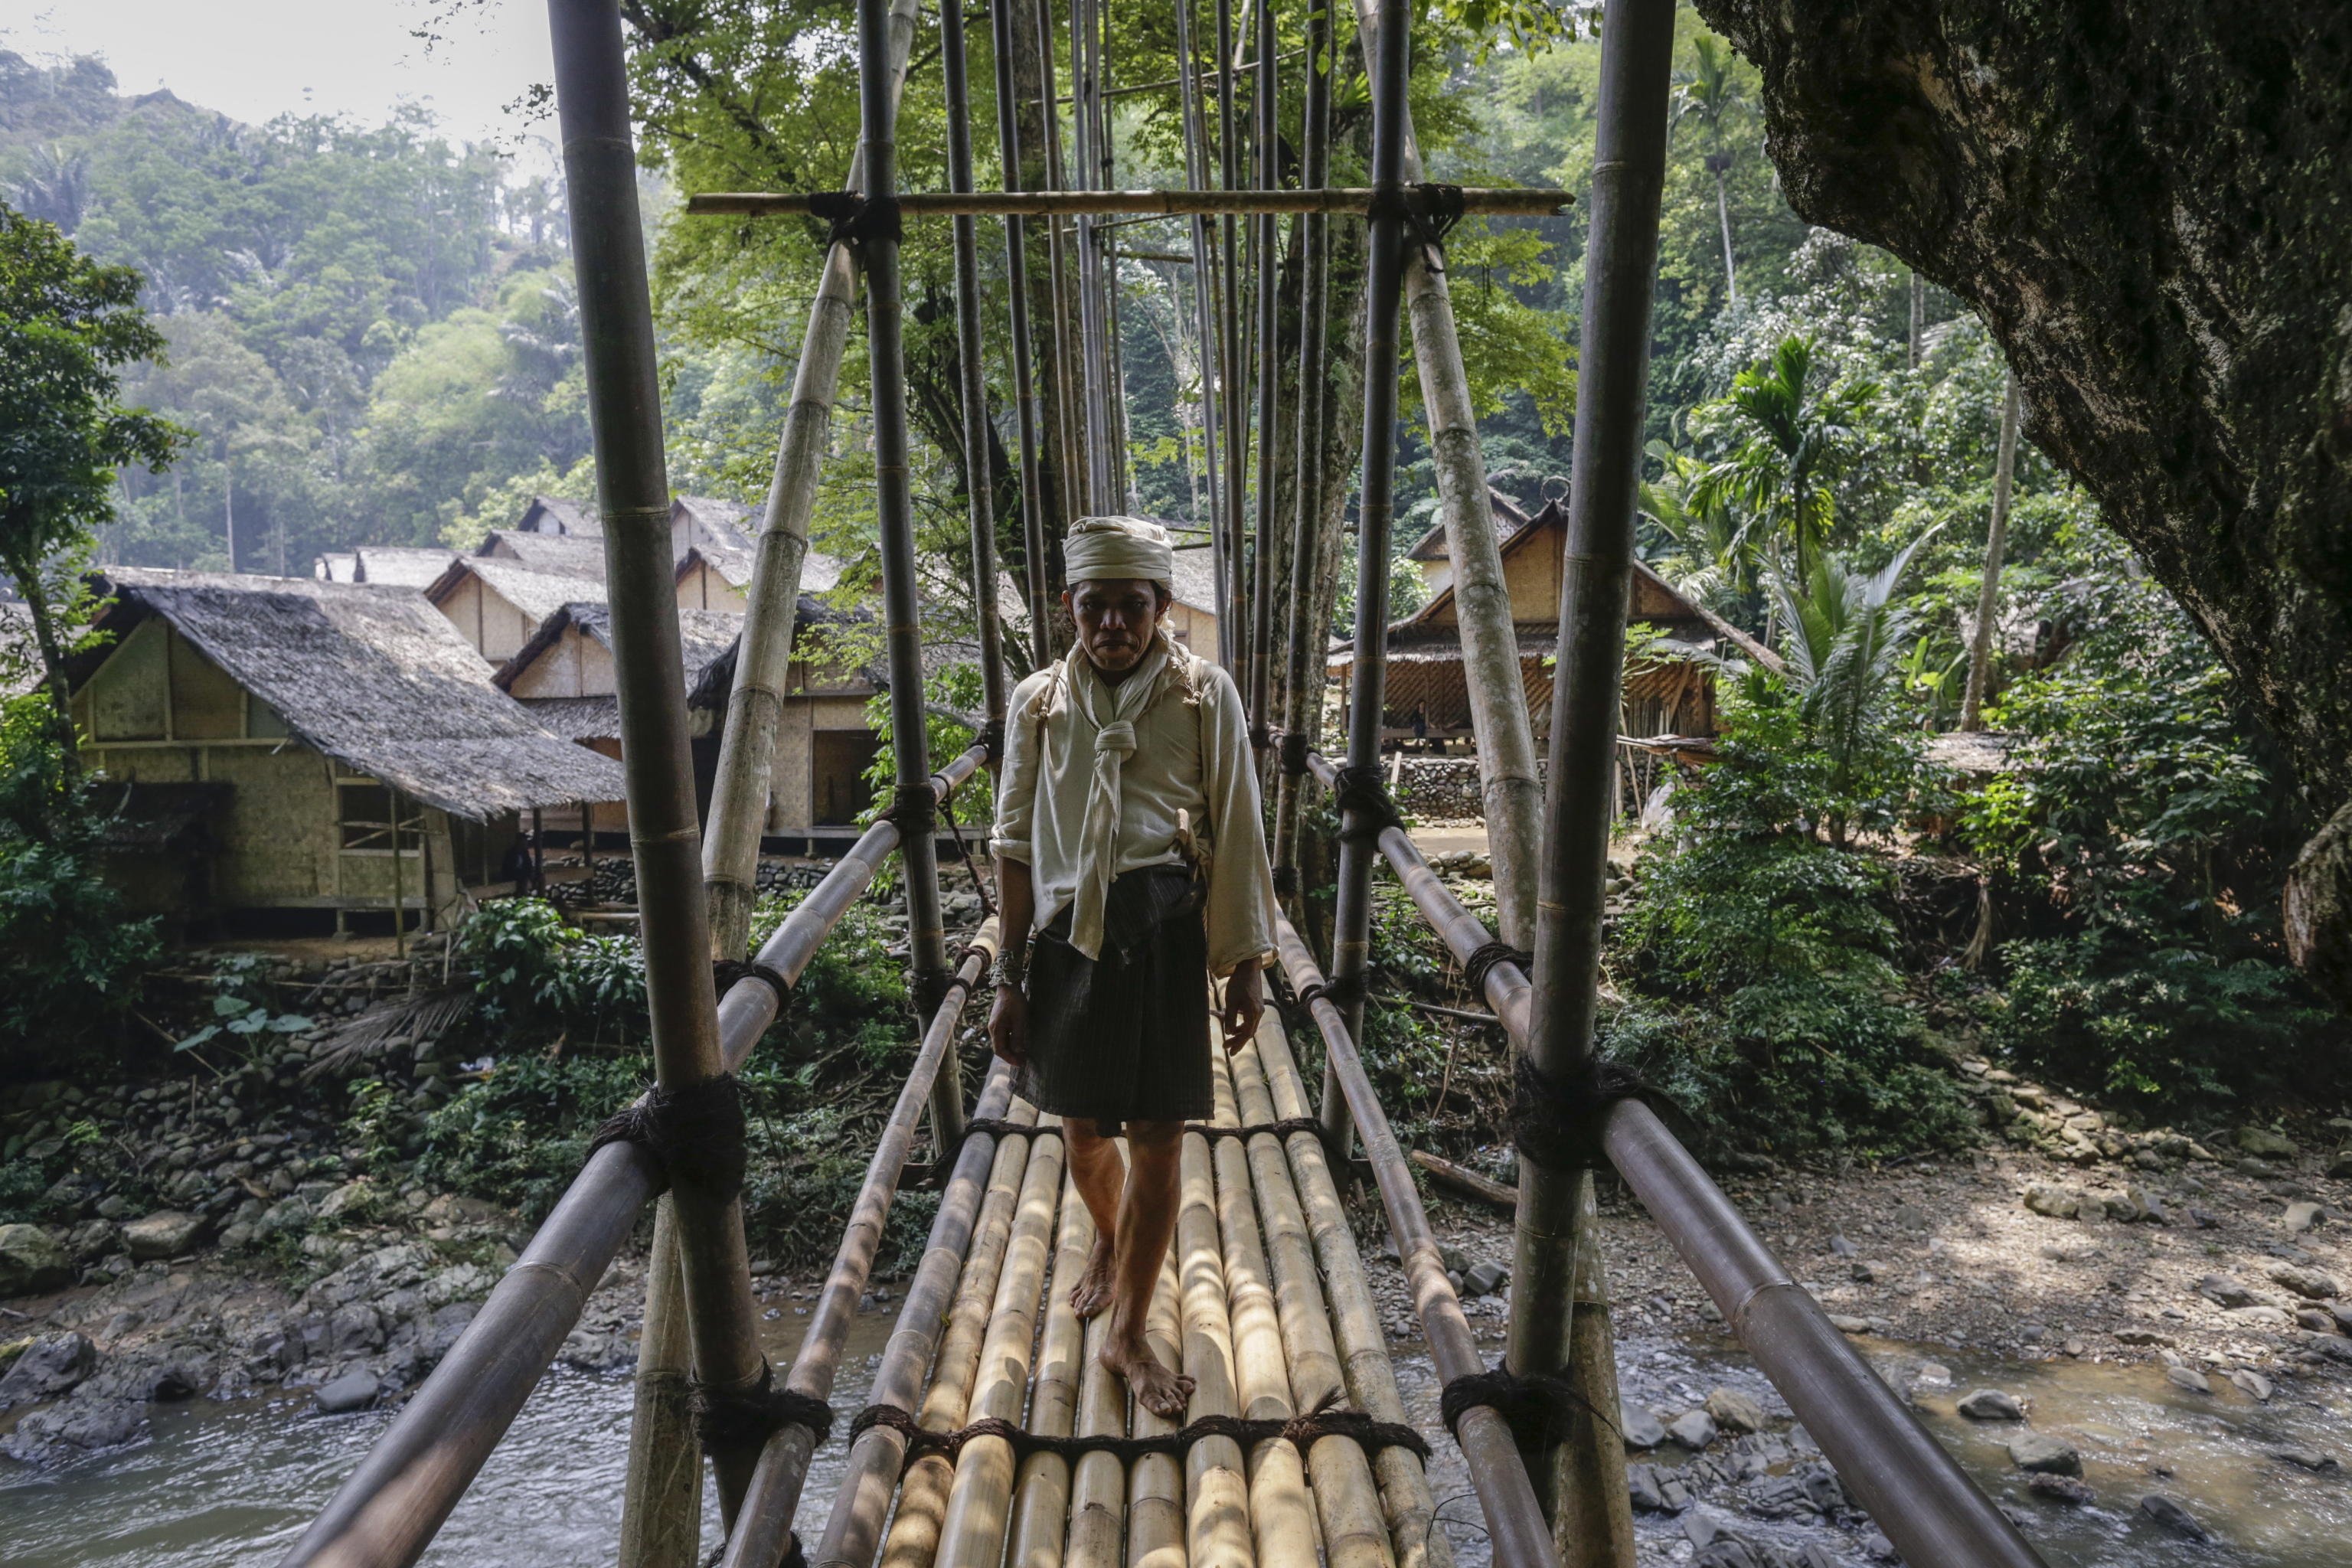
(387, 1513)
(764, 1526)
(1218, 1495)
(1042, 1500)
(1513, 1522)
(1268, 1081)
(986, 1165)
(980, 1499)
(1477, 200)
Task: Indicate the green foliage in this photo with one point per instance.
(532, 972)
(242, 1015)
(72, 962)
(518, 1136)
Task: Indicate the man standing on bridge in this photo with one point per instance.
(1128, 839)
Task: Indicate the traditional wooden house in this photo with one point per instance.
(499, 604)
(1193, 618)
(299, 752)
(1669, 677)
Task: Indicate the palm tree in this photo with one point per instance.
(1711, 93)
(1799, 438)
(1705, 563)
(1843, 636)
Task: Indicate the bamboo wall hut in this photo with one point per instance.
(295, 751)
(1669, 678)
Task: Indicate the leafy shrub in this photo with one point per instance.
(515, 948)
(518, 1136)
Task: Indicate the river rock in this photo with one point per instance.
(31, 1261)
(1640, 1428)
(2187, 1377)
(2057, 1203)
(2250, 1384)
(2302, 1216)
(2342, 1312)
(48, 1368)
(355, 1390)
(2262, 1315)
(352, 1200)
(1735, 1411)
(2226, 1291)
(1485, 1279)
(167, 1233)
(1655, 1490)
(1991, 1404)
(1694, 1429)
(2339, 1164)
(76, 1422)
(2062, 1488)
(2264, 1145)
(2172, 1516)
(2306, 1459)
(1847, 1324)
(2038, 1453)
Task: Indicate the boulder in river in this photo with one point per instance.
(2063, 1488)
(355, 1390)
(2172, 1516)
(31, 1261)
(48, 1368)
(2187, 1377)
(1991, 1404)
(2307, 1459)
(2038, 1453)
(1735, 1411)
(1642, 1428)
(1694, 1429)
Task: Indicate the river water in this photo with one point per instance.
(233, 1486)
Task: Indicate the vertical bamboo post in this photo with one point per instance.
(1204, 313)
(895, 517)
(1270, 382)
(632, 485)
(661, 1505)
(1094, 362)
(1027, 415)
(1233, 618)
(755, 704)
(978, 482)
(1368, 675)
(1636, 46)
(1303, 663)
(1996, 543)
(1042, 1503)
(1596, 1510)
(1511, 788)
(1069, 421)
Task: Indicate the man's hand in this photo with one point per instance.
(1008, 1026)
(1245, 1006)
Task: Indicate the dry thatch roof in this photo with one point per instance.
(552, 514)
(399, 566)
(337, 566)
(724, 523)
(705, 639)
(374, 676)
(537, 595)
(569, 554)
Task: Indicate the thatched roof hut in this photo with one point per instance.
(399, 566)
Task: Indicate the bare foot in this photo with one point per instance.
(1092, 1293)
(1157, 1389)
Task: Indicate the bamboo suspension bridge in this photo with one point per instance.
(993, 1432)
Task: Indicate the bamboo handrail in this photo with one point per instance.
(388, 1512)
(1515, 1523)
(1478, 200)
(764, 1526)
(1914, 1491)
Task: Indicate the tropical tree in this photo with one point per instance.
(1702, 557)
(1710, 93)
(68, 326)
(1799, 436)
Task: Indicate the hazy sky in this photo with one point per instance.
(255, 59)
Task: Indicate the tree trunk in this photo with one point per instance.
(1512, 789)
(2170, 286)
(1722, 212)
(1996, 541)
(53, 664)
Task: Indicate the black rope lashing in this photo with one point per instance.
(1429, 210)
(1360, 792)
(1261, 737)
(743, 1418)
(1282, 1128)
(855, 218)
(1340, 993)
(990, 738)
(694, 1134)
(728, 972)
(914, 808)
(1482, 959)
(1285, 881)
(1559, 1124)
(1294, 747)
(1303, 1431)
(1537, 1407)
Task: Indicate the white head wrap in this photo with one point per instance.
(1116, 547)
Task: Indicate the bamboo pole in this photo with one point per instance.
(1368, 674)
(980, 1501)
(1511, 788)
(755, 704)
(987, 1165)
(1205, 285)
(1629, 170)
(633, 495)
(979, 483)
(1218, 1494)
(1267, 1084)
(1270, 382)
(1099, 1491)
(1996, 543)
(1028, 416)
(762, 1530)
(1094, 363)
(387, 1512)
(1515, 1523)
(1233, 619)
(1156, 1516)
(916, 1529)
(661, 1502)
(1042, 1500)
(1282, 1514)
(894, 520)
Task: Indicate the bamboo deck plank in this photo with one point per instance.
(1218, 1498)
(1042, 1500)
(1155, 1484)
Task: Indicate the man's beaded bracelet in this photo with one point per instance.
(1009, 969)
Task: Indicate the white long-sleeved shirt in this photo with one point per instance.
(1192, 754)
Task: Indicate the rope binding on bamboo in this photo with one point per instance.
(990, 738)
(745, 1418)
(726, 971)
(1303, 1432)
(1558, 1123)
(693, 1133)
(1487, 955)
(856, 218)
(1537, 1407)
(998, 1127)
(1296, 745)
(1429, 210)
(1361, 791)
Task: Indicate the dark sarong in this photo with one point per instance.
(1124, 1037)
